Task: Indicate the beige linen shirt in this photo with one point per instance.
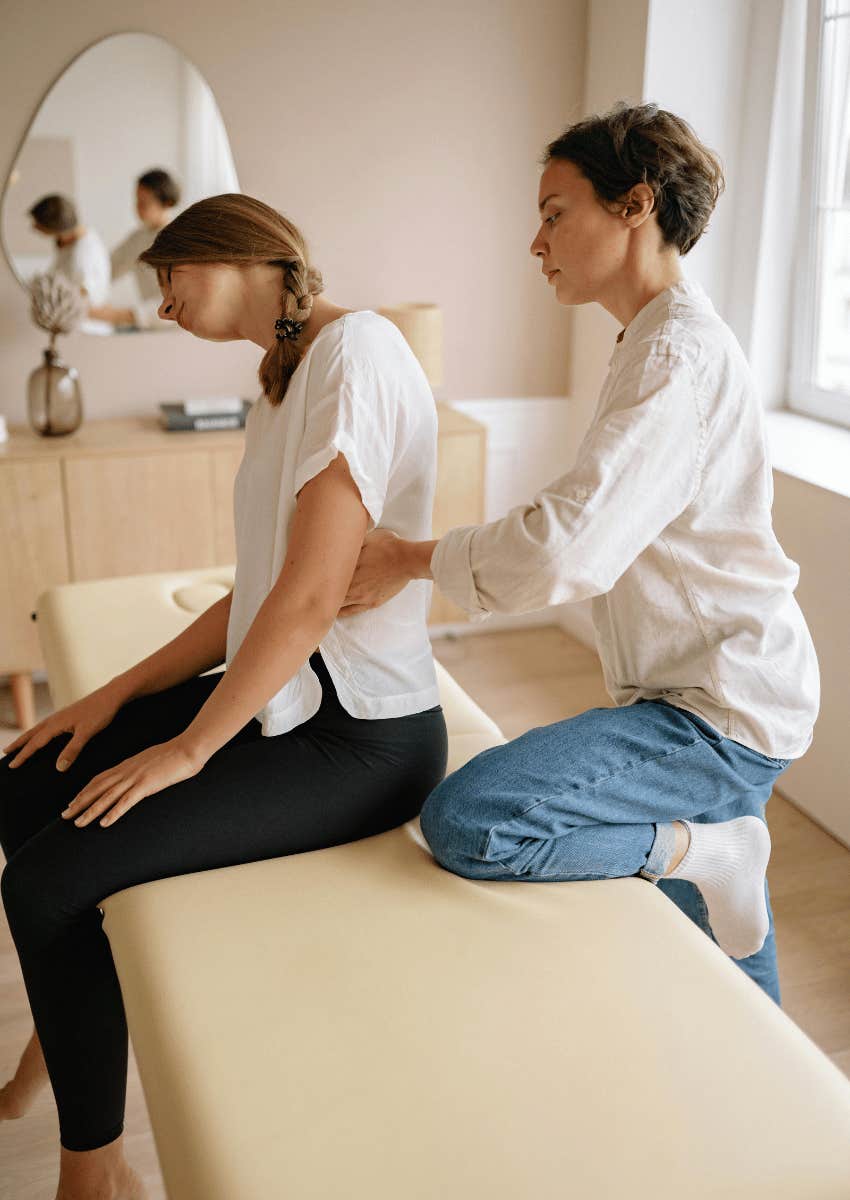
(124, 258)
(665, 521)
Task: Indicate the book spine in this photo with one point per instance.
(225, 421)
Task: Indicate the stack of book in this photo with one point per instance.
(205, 412)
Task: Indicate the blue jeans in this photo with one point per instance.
(593, 797)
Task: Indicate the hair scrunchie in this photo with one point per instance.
(287, 329)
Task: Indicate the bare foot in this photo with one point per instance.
(19, 1094)
(129, 1188)
(101, 1174)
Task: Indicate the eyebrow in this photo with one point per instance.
(543, 203)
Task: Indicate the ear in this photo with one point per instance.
(637, 204)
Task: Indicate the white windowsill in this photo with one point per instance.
(809, 449)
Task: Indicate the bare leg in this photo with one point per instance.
(19, 1094)
(101, 1174)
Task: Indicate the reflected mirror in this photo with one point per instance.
(127, 137)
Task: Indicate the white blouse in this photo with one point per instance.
(358, 390)
(85, 262)
(665, 520)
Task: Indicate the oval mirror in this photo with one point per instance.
(128, 136)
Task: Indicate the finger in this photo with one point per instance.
(100, 806)
(71, 750)
(35, 742)
(129, 800)
(354, 606)
(19, 740)
(94, 788)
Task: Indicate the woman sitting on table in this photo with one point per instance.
(319, 732)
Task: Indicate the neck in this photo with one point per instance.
(70, 235)
(262, 307)
(629, 294)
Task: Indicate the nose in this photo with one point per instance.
(538, 246)
(167, 311)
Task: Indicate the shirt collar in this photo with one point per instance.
(650, 314)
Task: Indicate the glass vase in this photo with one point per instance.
(54, 399)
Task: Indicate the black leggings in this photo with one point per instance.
(333, 779)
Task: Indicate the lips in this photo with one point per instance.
(550, 274)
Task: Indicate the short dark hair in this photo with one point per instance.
(647, 144)
(164, 186)
(56, 213)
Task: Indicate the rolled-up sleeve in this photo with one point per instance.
(638, 468)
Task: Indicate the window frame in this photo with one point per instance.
(804, 395)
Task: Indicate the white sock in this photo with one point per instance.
(727, 861)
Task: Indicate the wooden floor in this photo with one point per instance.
(522, 679)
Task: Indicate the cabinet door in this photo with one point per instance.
(32, 529)
(459, 500)
(130, 513)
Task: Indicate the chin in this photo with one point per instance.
(208, 335)
(572, 297)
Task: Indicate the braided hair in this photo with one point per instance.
(241, 230)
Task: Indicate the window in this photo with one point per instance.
(821, 361)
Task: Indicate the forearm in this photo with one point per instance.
(199, 648)
(283, 635)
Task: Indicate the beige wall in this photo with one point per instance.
(403, 138)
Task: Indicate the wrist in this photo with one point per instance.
(195, 748)
(417, 559)
(123, 687)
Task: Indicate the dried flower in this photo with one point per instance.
(56, 304)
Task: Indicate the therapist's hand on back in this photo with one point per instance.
(383, 569)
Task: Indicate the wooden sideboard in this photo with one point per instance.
(123, 496)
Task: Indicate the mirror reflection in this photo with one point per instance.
(125, 139)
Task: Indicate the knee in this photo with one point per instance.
(11, 888)
(448, 825)
(26, 899)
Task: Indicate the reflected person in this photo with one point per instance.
(157, 197)
(80, 254)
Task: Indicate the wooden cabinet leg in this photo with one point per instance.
(23, 698)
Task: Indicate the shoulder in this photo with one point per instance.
(689, 340)
(372, 341)
(92, 238)
(366, 347)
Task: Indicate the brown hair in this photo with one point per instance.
(164, 186)
(56, 213)
(240, 230)
(647, 144)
